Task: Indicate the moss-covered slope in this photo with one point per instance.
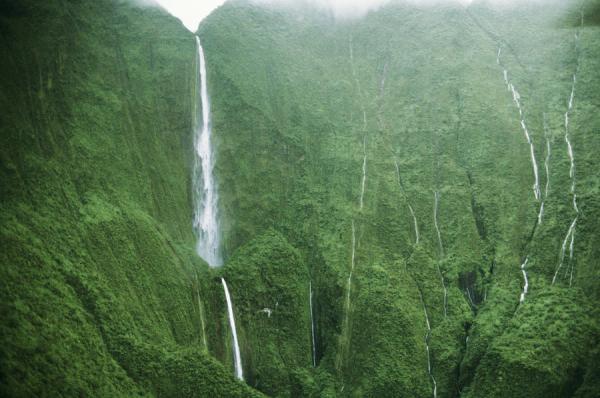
(380, 162)
(97, 275)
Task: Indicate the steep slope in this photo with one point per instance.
(352, 138)
(380, 185)
(98, 269)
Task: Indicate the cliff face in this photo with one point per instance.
(395, 154)
(98, 269)
(384, 164)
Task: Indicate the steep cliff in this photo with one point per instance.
(408, 201)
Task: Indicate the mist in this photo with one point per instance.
(351, 9)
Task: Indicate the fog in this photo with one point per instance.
(348, 9)
(191, 12)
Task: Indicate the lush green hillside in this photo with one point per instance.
(380, 162)
(98, 270)
(299, 98)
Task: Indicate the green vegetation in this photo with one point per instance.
(97, 251)
(101, 293)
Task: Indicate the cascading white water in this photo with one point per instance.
(525, 281)
(563, 248)
(572, 227)
(351, 271)
(364, 127)
(312, 325)
(364, 170)
(205, 191)
(412, 213)
(547, 168)
(436, 197)
(517, 99)
(346, 320)
(237, 359)
(427, 336)
(536, 184)
(439, 236)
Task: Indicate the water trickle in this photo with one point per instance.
(364, 170)
(436, 197)
(345, 323)
(237, 359)
(412, 213)
(517, 100)
(547, 168)
(205, 192)
(201, 315)
(525, 281)
(563, 249)
(312, 325)
(427, 337)
(571, 232)
(351, 271)
(439, 235)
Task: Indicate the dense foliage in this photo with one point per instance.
(379, 162)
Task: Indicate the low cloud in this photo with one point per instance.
(349, 9)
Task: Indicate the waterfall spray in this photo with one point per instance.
(205, 191)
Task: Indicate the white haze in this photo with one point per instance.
(349, 9)
(192, 12)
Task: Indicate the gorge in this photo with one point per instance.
(290, 202)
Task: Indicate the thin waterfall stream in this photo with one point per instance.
(439, 236)
(410, 208)
(571, 231)
(427, 337)
(312, 325)
(536, 185)
(237, 359)
(517, 100)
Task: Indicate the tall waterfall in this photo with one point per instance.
(237, 359)
(205, 190)
(571, 232)
(517, 99)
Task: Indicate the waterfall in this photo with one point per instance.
(547, 168)
(439, 236)
(345, 324)
(412, 213)
(351, 271)
(205, 191)
(572, 227)
(436, 197)
(237, 359)
(312, 325)
(364, 128)
(364, 167)
(563, 248)
(525, 281)
(517, 99)
(427, 336)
